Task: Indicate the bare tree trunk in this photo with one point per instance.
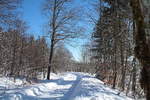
(13, 53)
(128, 87)
(115, 68)
(123, 70)
(134, 71)
(52, 40)
(13, 61)
(50, 59)
(20, 57)
(142, 51)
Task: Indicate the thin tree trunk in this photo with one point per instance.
(13, 61)
(128, 87)
(134, 77)
(123, 67)
(124, 74)
(115, 68)
(20, 58)
(13, 54)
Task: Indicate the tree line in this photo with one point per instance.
(119, 45)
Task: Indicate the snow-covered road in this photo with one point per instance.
(64, 86)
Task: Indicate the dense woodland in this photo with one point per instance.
(117, 52)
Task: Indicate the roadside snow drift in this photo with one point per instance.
(64, 86)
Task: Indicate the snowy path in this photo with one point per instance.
(65, 86)
(70, 93)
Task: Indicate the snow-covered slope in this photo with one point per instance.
(64, 86)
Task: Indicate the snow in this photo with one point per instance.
(130, 59)
(63, 86)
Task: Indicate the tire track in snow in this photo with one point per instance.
(69, 95)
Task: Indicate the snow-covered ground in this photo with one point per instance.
(64, 86)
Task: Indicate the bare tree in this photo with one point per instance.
(7, 10)
(62, 24)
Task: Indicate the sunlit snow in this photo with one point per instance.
(64, 86)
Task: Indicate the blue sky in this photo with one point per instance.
(32, 14)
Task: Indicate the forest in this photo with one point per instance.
(113, 38)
